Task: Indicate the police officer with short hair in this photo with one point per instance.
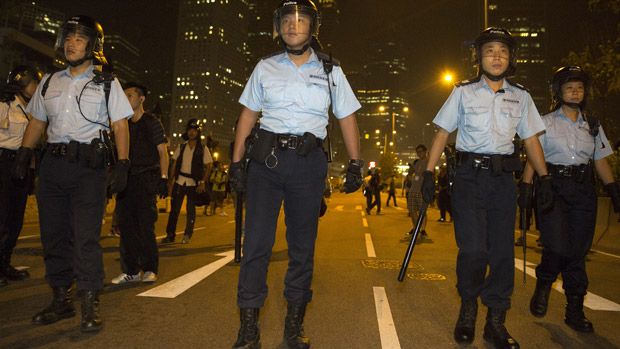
(136, 206)
(487, 111)
(78, 106)
(293, 90)
(574, 145)
(21, 84)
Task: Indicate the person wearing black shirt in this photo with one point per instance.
(137, 204)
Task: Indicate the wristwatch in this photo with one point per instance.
(201, 182)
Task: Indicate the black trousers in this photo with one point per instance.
(298, 182)
(12, 206)
(71, 199)
(377, 201)
(137, 214)
(443, 201)
(484, 208)
(391, 195)
(567, 231)
(179, 192)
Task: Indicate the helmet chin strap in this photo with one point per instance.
(572, 105)
(494, 77)
(80, 61)
(24, 97)
(298, 52)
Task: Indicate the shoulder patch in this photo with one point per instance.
(272, 55)
(467, 82)
(327, 58)
(517, 85)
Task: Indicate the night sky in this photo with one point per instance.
(430, 33)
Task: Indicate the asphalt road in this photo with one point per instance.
(358, 302)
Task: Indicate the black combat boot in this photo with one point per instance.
(91, 321)
(496, 332)
(293, 327)
(60, 308)
(466, 324)
(575, 318)
(249, 335)
(9, 272)
(540, 299)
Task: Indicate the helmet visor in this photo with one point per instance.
(295, 21)
(75, 28)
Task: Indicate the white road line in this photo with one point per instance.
(593, 250)
(370, 248)
(387, 330)
(180, 232)
(365, 222)
(339, 208)
(27, 237)
(591, 301)
(172, 289)
(358, 207)
(398, 208)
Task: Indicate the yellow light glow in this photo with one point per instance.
(377, 131)
(366, 136)
(406, 109)
(382, 109)
(216, 155)
(378, 143)
(448, 77)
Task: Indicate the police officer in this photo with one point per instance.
(137, 205)
(292, 89)
(77, 105)
(21, 84)
(192, 166)
(487, 111)
(574, 145)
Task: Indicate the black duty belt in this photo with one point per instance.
(73, 150)
(7, 154)
(288, 141)
(496, 163)
(573, 171)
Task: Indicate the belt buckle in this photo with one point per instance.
(483, 162)
(293, 142)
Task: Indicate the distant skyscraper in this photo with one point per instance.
(260, 34)
(27, 35)
(377, 85)
(330, 19)
(525, 20)
(210, 68)
(123, 56)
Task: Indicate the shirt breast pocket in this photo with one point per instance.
(509, 120)
(18, 127)
(90, 106)
(274, 91)
(585, 143)
(317, 97)
(476, 119)
(52, 103)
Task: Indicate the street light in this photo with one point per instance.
(447, 77)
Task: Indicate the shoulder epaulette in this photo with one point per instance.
(272, 55)
(467, 82)
(327, 58)
(517, 85)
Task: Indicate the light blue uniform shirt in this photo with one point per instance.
(567, 142)
(59, 107)
(487, 121)
(295, 100)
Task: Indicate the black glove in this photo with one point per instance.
(118, 179)
(544, 193)
(21, 166)
(353, 179)
(237, 177)
(614, 192)
(525, 196)
(162, 188)
(428, 187)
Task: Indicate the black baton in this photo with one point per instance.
(524, 222)
(418, 225)
(238, 226)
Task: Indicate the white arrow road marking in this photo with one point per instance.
(358, 207)
(518, 232)
(370, 248)
(591, 301)
(172, 289)
(387, 330)
(339, 208)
